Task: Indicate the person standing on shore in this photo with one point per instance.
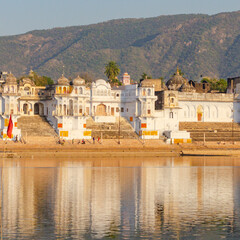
(93, 140)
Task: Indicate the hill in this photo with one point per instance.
(198, 44)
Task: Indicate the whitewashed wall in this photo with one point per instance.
(165, 121)
(212, 111)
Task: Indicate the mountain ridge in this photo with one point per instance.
(199, 44)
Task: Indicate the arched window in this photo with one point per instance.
(71, 107)
(80, 110)
(80, 90)
(60, 109)
(26, 91)
(76, 91)
(149, 92)
(64, 109)
(144, 92)
(172, 100)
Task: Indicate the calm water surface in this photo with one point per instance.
(155, 198)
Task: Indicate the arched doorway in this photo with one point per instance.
(25, 108)
(71, 107)
(101, 110)
(38, 109)
(27, 91)
(199, 113)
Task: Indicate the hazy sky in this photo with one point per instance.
(20, 16)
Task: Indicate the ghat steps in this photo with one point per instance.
(36, 129)
(111, 130)
(214, 131)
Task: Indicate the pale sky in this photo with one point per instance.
(20, 16)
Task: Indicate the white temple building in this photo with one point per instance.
(152, 108)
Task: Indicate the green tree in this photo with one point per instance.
(112, 70)
(40, 80)
(222, 85)
(215, 84)
(145, 76)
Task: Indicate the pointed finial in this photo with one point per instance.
(31, 72)
(177, 70)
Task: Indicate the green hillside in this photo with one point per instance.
(198, 44)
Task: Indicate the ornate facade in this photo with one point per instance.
(151, 107)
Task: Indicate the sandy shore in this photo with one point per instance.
(111, 148)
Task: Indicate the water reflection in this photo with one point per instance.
(157, 198)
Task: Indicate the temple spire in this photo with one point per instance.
(177, 70)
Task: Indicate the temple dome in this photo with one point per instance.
(78, 81)
(11, 79)
(187, 87)
(176, 81)
(26, 81)
(63, 81)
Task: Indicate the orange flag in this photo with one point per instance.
(10, 127)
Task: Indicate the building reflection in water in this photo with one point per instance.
(18, 201)
(120, 197)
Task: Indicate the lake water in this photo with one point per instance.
(155, 198)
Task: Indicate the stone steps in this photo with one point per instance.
(213, 131)
(111, 130)
(35, 126)
(208, 126)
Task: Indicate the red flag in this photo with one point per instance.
(10, 127)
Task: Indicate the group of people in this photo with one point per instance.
(62, 141)
(82, 142)
(19, 140)
(98, 140)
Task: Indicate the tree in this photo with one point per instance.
(111, 71)
(38, 80)
(215, 84)
(145, 76)
(222, 85)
